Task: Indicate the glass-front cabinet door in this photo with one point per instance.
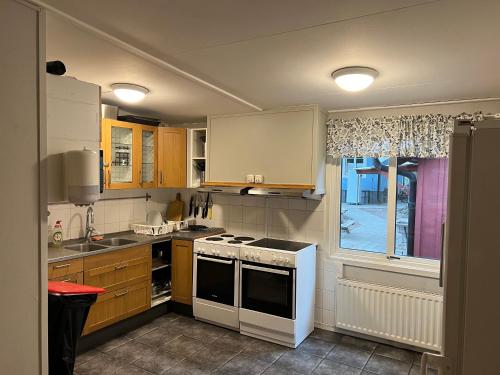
(148, 166)
(129, 155)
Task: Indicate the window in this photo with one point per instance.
(393, 206)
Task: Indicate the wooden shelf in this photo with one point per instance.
(263, 186)
(159, 300)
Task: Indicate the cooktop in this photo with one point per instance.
(272, 243)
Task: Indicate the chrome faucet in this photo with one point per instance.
(89, 227)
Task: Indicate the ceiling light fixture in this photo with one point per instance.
(129, 92)
(354, 78)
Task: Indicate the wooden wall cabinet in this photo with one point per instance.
(182, 271)
(126, 276)
(130, 155)
(172, 157)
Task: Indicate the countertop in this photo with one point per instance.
(57, 254)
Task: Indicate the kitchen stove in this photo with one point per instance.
(277, 288)
(216, 271)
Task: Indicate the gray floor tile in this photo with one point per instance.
(298, 361)
(87, 356)
(276, 370)
(159, 336)
(327, 367)
(415, 370)
(235, 340)
(202, 331)
(183, 346)
(325, 335)
(141, 331)
(360, 343)
(132, 370)
(214, 356)
(101, 364)
(265, 351)
(110, 345)
(157, 361)
(243, 365)
(349, 355)
(395, 353)
(130, 351)
(316, 346)
(186, 366)
(387, 366)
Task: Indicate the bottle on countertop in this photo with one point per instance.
(57, 234)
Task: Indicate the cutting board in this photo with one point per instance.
(175, 209)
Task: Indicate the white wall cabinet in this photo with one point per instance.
(286, 147)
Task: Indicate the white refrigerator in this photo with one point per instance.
(471, 258)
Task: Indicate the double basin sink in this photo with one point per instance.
(100, 245)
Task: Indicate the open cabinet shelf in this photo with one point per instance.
(196, 156)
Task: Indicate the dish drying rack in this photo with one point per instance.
(158, 230)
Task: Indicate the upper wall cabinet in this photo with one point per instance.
(172, 157)
(286, 147)
(130, 155)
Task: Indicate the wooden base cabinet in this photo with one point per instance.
(126, 276)
(118, 304)
(182, 271)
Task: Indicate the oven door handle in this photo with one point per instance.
(215, 260)
(265, 269)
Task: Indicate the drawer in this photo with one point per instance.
(76, 278)
(112, 270)
(117, 305)
(65, 268)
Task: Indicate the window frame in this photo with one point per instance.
(382, 261)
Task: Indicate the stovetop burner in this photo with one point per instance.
(234, 241)
(227, 235)
(215, 239)
(244, 238)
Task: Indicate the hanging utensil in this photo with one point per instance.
(191, 205)
(210, 205)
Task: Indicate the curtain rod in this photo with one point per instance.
(413, 105)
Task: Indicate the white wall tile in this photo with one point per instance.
(297, 220)
(112, 227)
(319, 298)
(316, 205)
(328, 280)
(318, 315)
(279, 218)
(278, 202)
(278, 232)
(126, 212)
(328, 302)
(297, 204)
(328, 317)
(236, 214)
(112, 214)
(254, 215)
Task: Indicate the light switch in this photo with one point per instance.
(259, 179)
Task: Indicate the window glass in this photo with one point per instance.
(363, 211)
(420, 206)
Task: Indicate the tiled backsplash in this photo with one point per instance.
(109, 216)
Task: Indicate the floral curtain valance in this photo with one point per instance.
(425, 136)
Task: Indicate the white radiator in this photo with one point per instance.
(396, 314)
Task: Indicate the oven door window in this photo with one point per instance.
(268, 289)
(215, 279)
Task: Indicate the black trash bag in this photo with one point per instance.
(67, 317)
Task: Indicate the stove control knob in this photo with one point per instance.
(273, 259)
(217, 252)
(287, 261)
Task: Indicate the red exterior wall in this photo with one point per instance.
(432, 185)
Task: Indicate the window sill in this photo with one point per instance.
(415, 268)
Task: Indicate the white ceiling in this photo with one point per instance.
(281, 52)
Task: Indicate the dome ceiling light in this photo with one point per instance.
(129, 92)
(354, 78)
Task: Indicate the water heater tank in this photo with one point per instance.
(82, 176)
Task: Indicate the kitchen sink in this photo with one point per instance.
(85, 247)
(115, 242)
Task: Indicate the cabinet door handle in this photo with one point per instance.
(109, 177)
(161, 177)
(140, 176)
(121, 293)
(66, 281)
(62, 266)
(121, 267)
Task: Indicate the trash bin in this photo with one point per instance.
(69, 306)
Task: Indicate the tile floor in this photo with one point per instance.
(174, 344)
